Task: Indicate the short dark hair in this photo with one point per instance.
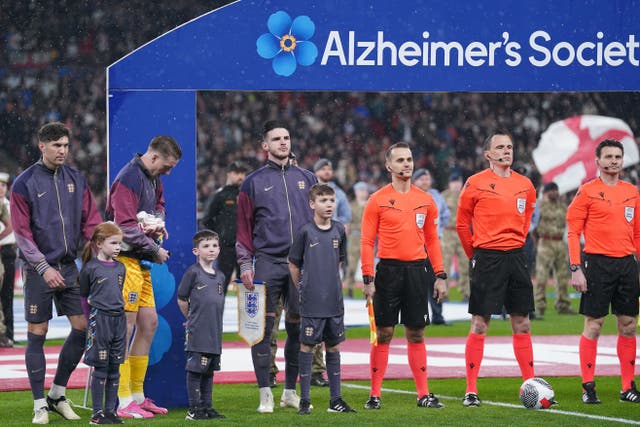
(166, 146)
(204, 235)
(486, 145)
(53, 131)
(608, 143)
(271, 125)
(387, 154)
(320, 190)
(238, 166)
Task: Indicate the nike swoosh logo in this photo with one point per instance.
(201, 287)
(41, 194)
(102, 280)
(268, 188)
(313, 244)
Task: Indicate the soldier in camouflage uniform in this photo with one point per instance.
(552, 255)
(361, 191)
(450, 242)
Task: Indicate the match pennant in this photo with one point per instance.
(251, 313)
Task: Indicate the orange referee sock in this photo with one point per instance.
(473, 353)
(524, 354)
(417, 355)
(588, 349)
(378, 360)
(627, 356)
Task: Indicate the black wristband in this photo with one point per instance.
(574, 267)
(367, 280)
(442, 276)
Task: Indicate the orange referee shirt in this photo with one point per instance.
(495, 212)
(608, 217)
(404, 223)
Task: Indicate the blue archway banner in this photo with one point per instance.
(497, 45)
(333, 45)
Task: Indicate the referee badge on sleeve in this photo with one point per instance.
(520, 204)
(420, 217)
(628, 213)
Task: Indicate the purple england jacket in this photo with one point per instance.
(51, 211)
(135, 190)
(273, 205)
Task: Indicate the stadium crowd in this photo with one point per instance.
(59, 74)
(353, 130)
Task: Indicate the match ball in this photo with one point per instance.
(536, 393)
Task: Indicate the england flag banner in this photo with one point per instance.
(251, 312)
(566, 151)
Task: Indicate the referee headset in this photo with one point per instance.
(390, 169)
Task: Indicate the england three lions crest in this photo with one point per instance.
(251, 304)
(251, 313)
(521, 204)
(629, 213)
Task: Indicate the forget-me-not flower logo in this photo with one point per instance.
(287, 43)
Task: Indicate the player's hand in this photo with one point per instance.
(158, 233)
(162, 256)
(440, 290)
(53, 278)
(247, 280)
(369, 291)
(578, 281)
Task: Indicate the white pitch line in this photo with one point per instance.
(509, 405)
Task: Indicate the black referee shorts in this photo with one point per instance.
(497, 279)
(401, 287)
(610, 282)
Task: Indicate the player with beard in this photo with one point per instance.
(404, 220)
(273, 205)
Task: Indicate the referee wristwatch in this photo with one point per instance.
(441, 275)
(574, 267)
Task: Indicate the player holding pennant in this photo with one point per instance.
(272, 206)
(404, 219)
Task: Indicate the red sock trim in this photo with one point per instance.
(417, 355)
(473, 354)
(588, 350)
(523, 349)
(378, 361)
(627, 356)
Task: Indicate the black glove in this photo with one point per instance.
(367, 280)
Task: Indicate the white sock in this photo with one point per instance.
(125, 401)
(265, 392)
(39, 403)
(138, 397)
(57, 391)
(287, 391)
